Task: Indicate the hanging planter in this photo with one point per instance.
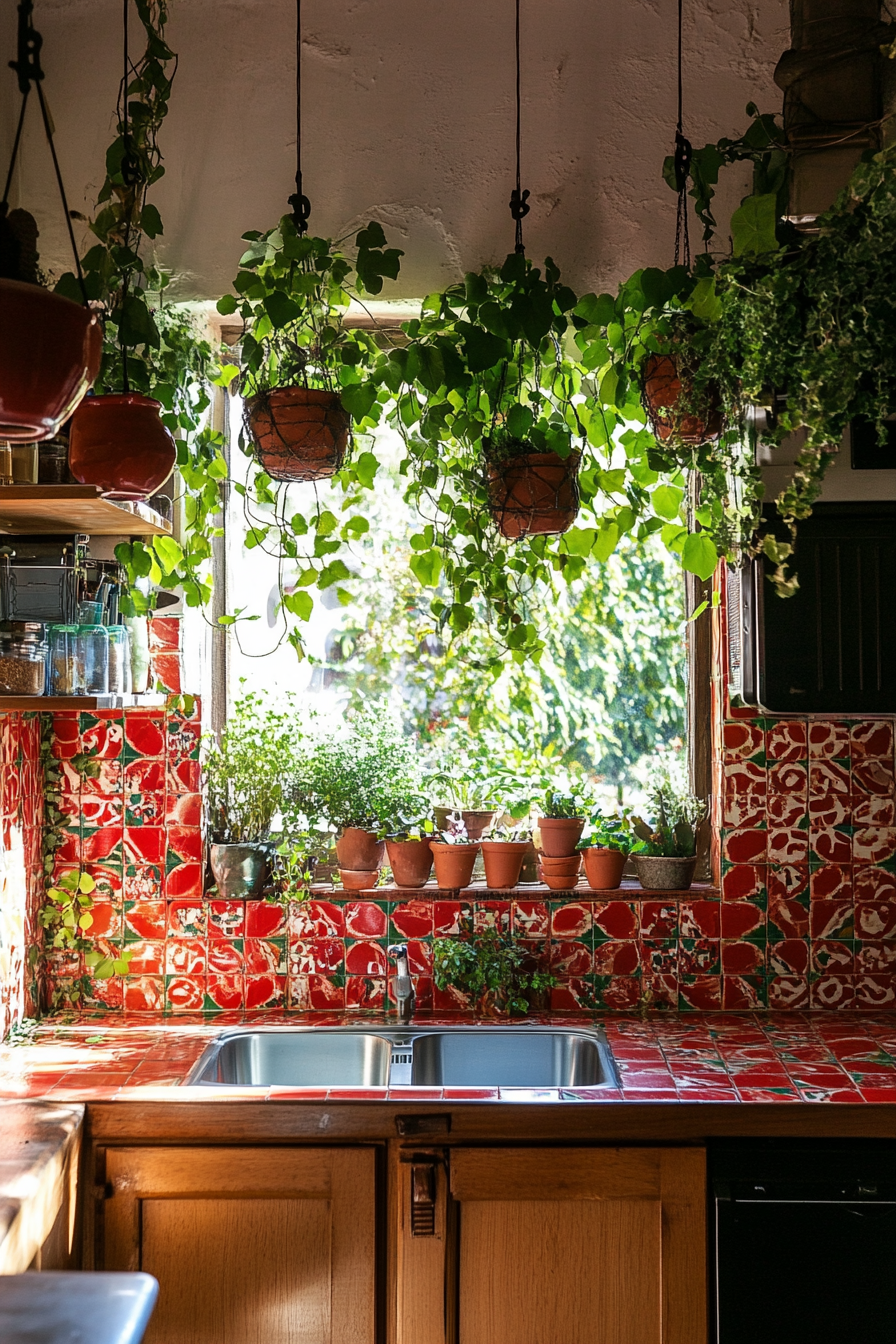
(534, 494)
(119, 443)
(299, 433)
(677, 410)
(50, 352)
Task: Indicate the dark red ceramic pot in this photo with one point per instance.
(119, 443)
(50, 352)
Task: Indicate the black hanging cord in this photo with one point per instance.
(301, 206)
(682, 162)
(519, 207)
(28, 68)
(130, 174)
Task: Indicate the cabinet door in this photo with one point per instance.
(580, 1245)
(249, 1245)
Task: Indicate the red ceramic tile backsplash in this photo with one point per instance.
(21, 874)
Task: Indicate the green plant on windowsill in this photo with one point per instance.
(556, 806)
(677, 814)
(411, 819)
(497, 972)
(292, 863)
(608, 831)
(243, 771)
(359, 776)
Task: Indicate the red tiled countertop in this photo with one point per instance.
(761, 1057)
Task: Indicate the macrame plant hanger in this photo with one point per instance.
(301, 206)
(682, 168)
(519, 206)
(28, 68)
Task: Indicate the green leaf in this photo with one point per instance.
(753, 225)
(484, 351)
(605, 541)
(366, 466)
(704, 302)
(335, 572)
(299, 604)
(226, 305)
(426, 567)
(281, 309)
(357, 399)
(666, 501)
(169, 551)
(699, 555)
(151, 221)
(519, 421)
(596, 309)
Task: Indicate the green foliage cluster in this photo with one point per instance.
(245, 769)
(497, 972)
(608, 831)
(676, 817)
(555, 806)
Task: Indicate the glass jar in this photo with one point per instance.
(5, 462)
(66, 665)
(95, 643)
(52, 461)
(138, 634)
(119, 660)
(24, 463)
(23, 658)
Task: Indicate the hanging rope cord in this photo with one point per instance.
(28, 68)
(301, 206)
(682, 162)
(519, 207)
(130, 174)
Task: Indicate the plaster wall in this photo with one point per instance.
(408, 119)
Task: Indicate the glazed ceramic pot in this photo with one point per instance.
(662, 874)
(410, 861)
(239, 870)
(355, 879)
(359, 850)
(50, 353)
(300, 433)
(454, 864)
(534, 495)
(503, 861)
(560, 835)
(119, 443)
(663, 389)
(603, 868)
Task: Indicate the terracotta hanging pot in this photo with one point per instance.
(503, 860)
(454, 864)
(359, 850)
(534, 495)
(119, 443)
(300, 433)
(560, 835)
(664, 387)
(410, 861)
(603, 868)
(50, 353)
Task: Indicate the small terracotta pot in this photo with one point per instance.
(663, 389)
(454, 864)
(603, 868)
(476, 821)
(560, 835)
(560, 881)
(119, 443)
(659, 873)
(410, 861)
(503, 861)
(50, 353)
(359, 850)
(300, 433)
(567, 862)
(355, 879)
(529, 870)
(534, 495)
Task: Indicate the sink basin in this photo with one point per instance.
(296, 1059)
(479, 1057)
(462, 1056)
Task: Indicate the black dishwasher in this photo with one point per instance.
(804, 1241)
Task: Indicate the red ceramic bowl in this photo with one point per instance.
(50, 352)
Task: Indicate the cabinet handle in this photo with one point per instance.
(423, 1199)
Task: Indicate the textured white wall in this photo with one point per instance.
(408, 119)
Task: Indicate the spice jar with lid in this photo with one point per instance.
(23, 657)
(66, 671)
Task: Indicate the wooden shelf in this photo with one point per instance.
(75, 508)
(45, 704)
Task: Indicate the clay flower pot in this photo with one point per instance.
(529, 870)
(560, 881)
(663, 389)
(359, 850)
(356, 879)
(300, 433)
(50, 353)
(569, 864)
(410, 861)
(476, 820)
(503, 860)
(658, 873)
(454, 864)
(560, 835)
(119, 443)
(603, 868)
(239, 870)
(534, 495)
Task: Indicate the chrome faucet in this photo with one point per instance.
(404, 985)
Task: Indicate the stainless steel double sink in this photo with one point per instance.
(439, 1056)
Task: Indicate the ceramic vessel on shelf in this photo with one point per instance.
(410, 861)
(454, 864)
(119, 443)
(359, 850)
(50, 352)
(503, 861)
(356, 879)
(664, 874)
(603, 868)
(239, 870)
(560, 835)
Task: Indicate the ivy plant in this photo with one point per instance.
(498, 972)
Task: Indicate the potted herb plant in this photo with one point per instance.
(503, 851)
(454, 855)
(665, 855)
(467, 791)
(305, 375)
(561, 824)
(605, 846)
(498, 974)
(409, 843)
(531, 492)
(243, 794)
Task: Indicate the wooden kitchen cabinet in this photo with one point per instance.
(250, 1245)
(558, 1246)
